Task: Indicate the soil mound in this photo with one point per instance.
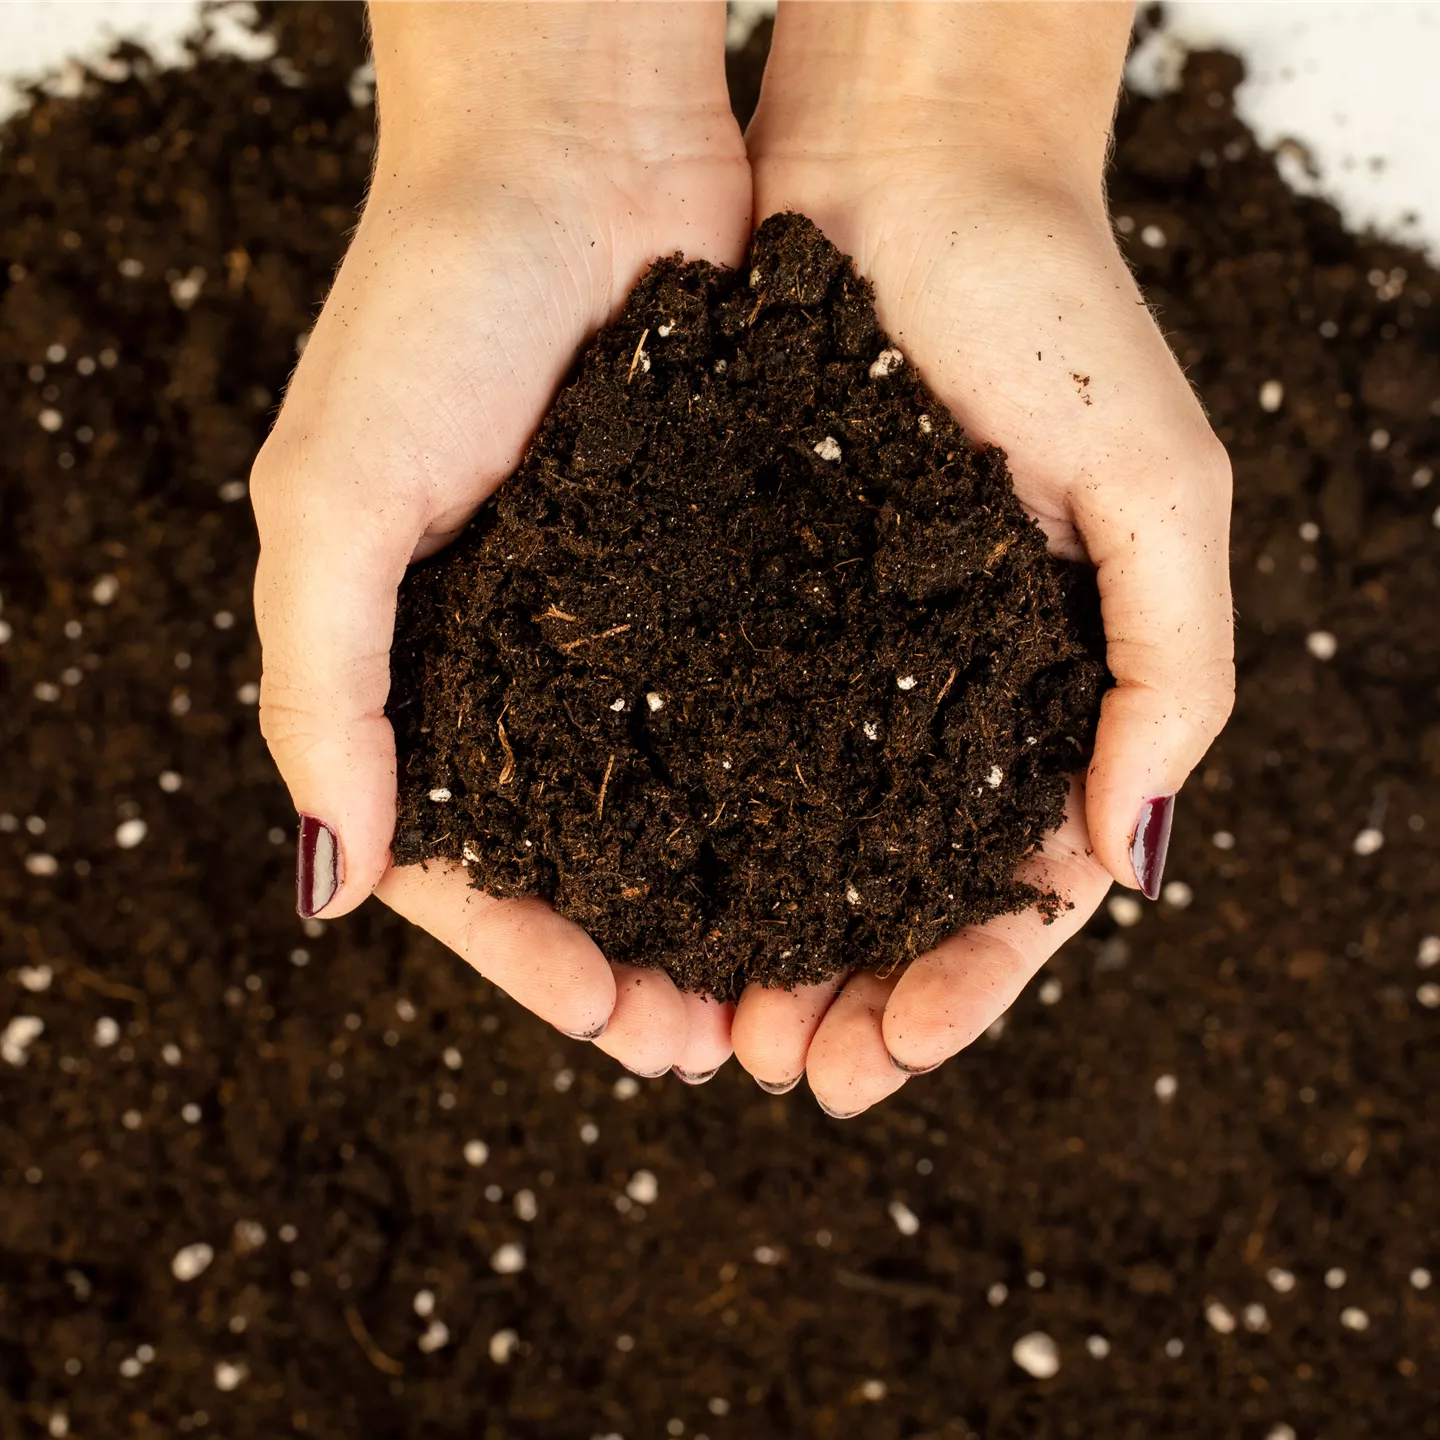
(756, 667)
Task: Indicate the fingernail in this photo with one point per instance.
(1152, 840)
(648, 1074)
(836, 1114)
(586, 1034)
(317, 867)
(694, 1079)
(778, 1087)
(915, 1069)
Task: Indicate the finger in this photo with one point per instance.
(848, 1066)
(707, 1038)
(1162, 563)
(952, 995)
(542, 961)
(773, 1029)
(647, 1027)
(325, 593)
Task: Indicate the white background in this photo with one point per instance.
(1356, 83)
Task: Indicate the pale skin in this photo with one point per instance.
(532, 161)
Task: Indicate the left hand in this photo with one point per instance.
(996, 273)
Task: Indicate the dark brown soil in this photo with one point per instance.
(756, 668)
(767, 1280)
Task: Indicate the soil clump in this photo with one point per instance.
(756, 668)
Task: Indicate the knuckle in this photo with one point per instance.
(286, 729)
(1210, 699)
(1213, 464)
(268, 478)
(1220, 693)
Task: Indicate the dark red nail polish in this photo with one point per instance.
(317, 867)
(915, 1069)
(778, 1087)
(1152, 840)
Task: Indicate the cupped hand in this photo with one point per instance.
(996, 273)
(499, 234)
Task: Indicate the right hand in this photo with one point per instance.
(957, 153)
(530, 167)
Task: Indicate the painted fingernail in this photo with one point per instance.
(778, 1087)
(836, 1114)
(317, 867)
(694, 1078)
(586, 1034)
(1152, 840)
(915, 1069)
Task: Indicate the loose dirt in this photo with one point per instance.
(211, 1071)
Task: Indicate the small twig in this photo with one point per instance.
(945, 688)
(802, 777)
(889, 968)
(555, 613)
(997, 553)
(718, 814)
(507, 770)
(899, 1290)
(1255, 1242)
(111, 988)
(373, 1353)
(635, 358)
(604, 785)
(570, 646)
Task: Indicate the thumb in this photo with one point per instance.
(325, 592)
(1162, 557)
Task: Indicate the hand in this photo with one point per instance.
(532, 163)
(983, 228)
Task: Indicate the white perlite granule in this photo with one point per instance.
(18, 1036)
(1037, 1354)
(229, 1375)
(1125, 910)
(907, 1222)
(191, 1261)
(643, 1188)
(886, 363)
(509, 1259)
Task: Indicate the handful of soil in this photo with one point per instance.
(756, 668)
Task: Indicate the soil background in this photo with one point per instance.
(328, 1079)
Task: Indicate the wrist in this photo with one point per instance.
(979, 88)
(557, 85)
